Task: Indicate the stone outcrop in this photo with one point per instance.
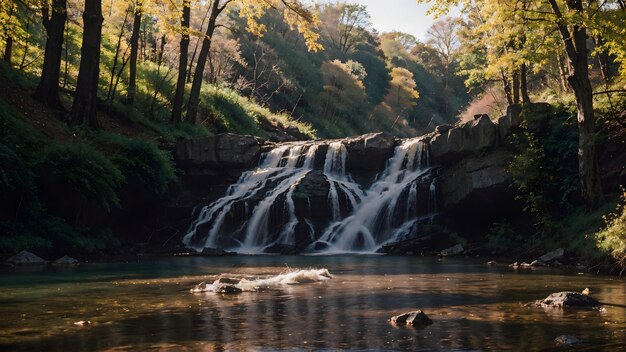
(567, 299)
(481, 181)
(219, 151)
(24, 258)
(65, 261)
(369, 152)
(463, 140)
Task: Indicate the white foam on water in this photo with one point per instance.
(247, 284)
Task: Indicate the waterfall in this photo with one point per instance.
(259, 211)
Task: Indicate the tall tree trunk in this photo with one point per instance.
(8, 32)
(179, 95)
(575, 41)
(196, 85)
(84, 107)
(48, 89)
(516, 87)
(134, 47)
(507, 88)
(524, 84)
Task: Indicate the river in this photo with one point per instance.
(147, 305)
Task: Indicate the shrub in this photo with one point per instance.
(145, 162)
(86, 170)
(612, 239)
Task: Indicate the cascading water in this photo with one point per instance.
(259, 213)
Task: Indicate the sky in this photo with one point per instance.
(399, 15)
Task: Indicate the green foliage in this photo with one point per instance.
(227, 111)
(612, 238)
(86, 170)
(544, 169)
(503, 238)
(145, 162)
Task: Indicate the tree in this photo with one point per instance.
(295, 14)
(85, 100)
(182, 62)
(570, 19)
(48, 89)
(134, 48)
(344, 94)
(402, 93)
(344, 25)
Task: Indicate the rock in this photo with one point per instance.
(514, 265)
(509, 123)
(537, 262)
(26, 258)
(555, 254)
(525, 265)
(567, 340)
(369, 152)
(211, 155)
(443, 128)
(296, 133)
(65, 260)
(567, 299)
(227, 280)
(492, 262)
(215, 252)
(586, 291)
(463, 140)
(476, 183)
(227, 289)
(415, 318)
(454, 250)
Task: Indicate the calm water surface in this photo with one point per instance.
(147, 305)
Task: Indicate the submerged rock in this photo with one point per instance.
(215, 252)
(26, 258)
(415, 318)
(65, 260)
(567, 299)
(454, 250)
(226, 288)
(567, 340)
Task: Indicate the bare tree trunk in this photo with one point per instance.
(48, 89)
(575, 40)
(134, 47)
(177, 105)
(507, 88)
(67, 54)
(524, 84)
(84, 106)
(194, 95)
(117, 54)
(516, 87)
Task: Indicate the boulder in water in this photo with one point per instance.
(454, 250)
(369, 152)
(215, 252)
(567, 299)
(26, 258)
(65, 261)
(415, 318)
(227, 289)
(567, 340)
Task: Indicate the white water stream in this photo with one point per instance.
(262, 205)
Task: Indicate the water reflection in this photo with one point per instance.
(147, 305)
